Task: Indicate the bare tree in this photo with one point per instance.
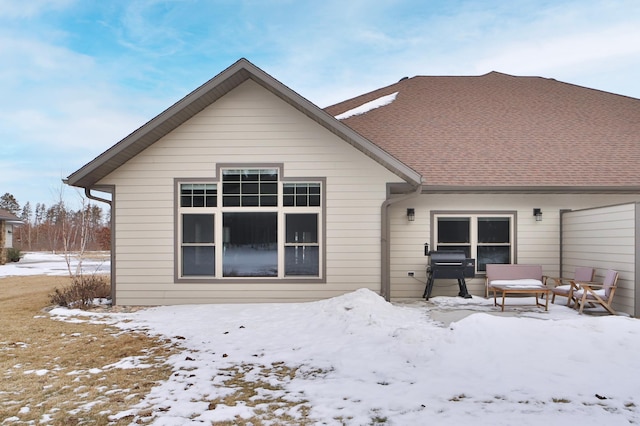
(76, 229)
(38, 220)
(54, 225)
(61, 229)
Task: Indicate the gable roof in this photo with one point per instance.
(501, 132)
(205, 95)
(7, 216)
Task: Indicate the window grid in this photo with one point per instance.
(301, 195)
(198, 195)
(250, 188)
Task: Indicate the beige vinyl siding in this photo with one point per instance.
(8, 241)
(248, 126)
(536, 242)
(604, 238)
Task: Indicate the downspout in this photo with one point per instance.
(87, 192)
(112, 252)
(385, 240)
(561, 245)
(636, 268)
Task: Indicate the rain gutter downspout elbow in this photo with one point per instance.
(87, 192)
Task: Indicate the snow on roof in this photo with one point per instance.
(368, 106)
(503, 122)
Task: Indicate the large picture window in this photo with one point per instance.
(250, 244)
(486, 237)
(249, 225)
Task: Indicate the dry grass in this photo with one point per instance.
(268, 408)
(54, 372)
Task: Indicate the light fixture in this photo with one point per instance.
(538, 214)
(411, 215)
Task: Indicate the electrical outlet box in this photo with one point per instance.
(411, 273)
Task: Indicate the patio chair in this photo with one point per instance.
(566, 286)
(597, 293)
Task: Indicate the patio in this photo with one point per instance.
(446, 309)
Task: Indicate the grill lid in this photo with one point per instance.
(455, 257)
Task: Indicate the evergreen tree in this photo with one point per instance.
(25, 231)
(9, 202)
(27, 213)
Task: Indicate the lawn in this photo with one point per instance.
(56, 372)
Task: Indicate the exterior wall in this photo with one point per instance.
(536, 242)
(605, 238)
(8, 243)
(247, 126)
(3, 248)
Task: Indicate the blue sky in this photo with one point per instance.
(76, 76)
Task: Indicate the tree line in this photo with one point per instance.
(59, 228)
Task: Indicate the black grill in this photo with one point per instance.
(449, 264)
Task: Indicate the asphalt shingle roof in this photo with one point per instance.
(498, 130)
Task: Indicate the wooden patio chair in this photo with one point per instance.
(597, 293)
(566, 286)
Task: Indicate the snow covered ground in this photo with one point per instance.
(55, 264)
(358, 360)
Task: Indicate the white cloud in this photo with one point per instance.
(595, 44)
(58, 110)
(30, 8)
(565, 52)
(147, 26)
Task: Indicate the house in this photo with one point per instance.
(244, 191)
(7, 221)
(493, 150)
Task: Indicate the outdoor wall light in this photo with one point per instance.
(538, 214)
(411, 215)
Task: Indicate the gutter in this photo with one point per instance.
(385, 240)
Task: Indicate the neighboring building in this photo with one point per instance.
(7, 221)
(244, 191)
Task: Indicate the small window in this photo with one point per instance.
(302, 250)
(198, 245)
(494, 240)
(250, 188)
(487, 238)
(198, 195)
(301, 195)
(454, 234)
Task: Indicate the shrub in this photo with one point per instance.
(82, 292)
(13, 255)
